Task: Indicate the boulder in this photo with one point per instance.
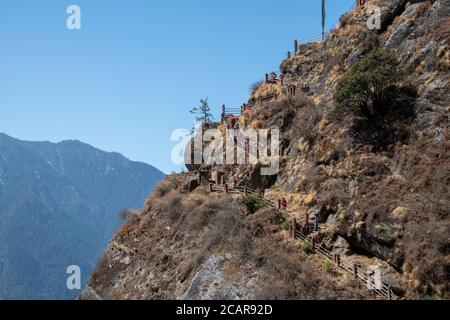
(341, 246)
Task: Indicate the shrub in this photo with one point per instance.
(129, 216)
(369, 93)
(255, 86)
(253, 203)
(327, 266)
(286, 225)
(306, 246)
(362, 90)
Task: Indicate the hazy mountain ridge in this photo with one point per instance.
(59, 206)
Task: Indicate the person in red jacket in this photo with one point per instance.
(283, 203)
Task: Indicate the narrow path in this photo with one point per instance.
(358, 273)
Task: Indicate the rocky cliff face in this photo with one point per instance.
(385, 203)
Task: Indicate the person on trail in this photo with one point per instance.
(232, 120)
(305, 230)
(283, 203)
(316, 222)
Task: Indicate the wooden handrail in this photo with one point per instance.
(385, 292)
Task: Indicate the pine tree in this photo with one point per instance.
(203, 112)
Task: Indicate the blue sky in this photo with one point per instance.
(128, 78)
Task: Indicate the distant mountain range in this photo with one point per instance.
(59, 206)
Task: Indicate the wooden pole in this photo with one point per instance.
(294, 228)
(355, 271)
(296, 46)
(226, 188)
(210, 187)
(281, 151)
(389, 293)
(223, 114)
(313, 244)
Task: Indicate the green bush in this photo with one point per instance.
(370, 93)
(286, 225)
(306, 246)
(362, 89)
(327, 266)
(253, 202)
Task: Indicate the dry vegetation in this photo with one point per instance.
(178, 231)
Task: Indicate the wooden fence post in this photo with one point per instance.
(289, 54)
(313, 244)
(245, 191)
(296, 46)
(355, 271)
(292, 231)
(293, 228)
(389, 293)
(267, 77)
(226, 188)
(210, 187)
(223, 114)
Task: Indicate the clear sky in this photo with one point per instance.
(128, 78)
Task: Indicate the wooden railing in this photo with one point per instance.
(358, 273)
(344, 264)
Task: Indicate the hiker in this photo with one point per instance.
(283, 203)
(316, 222)
(305, 230)
(232, 120)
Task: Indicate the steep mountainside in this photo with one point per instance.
(59, 206)
(377, 178)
